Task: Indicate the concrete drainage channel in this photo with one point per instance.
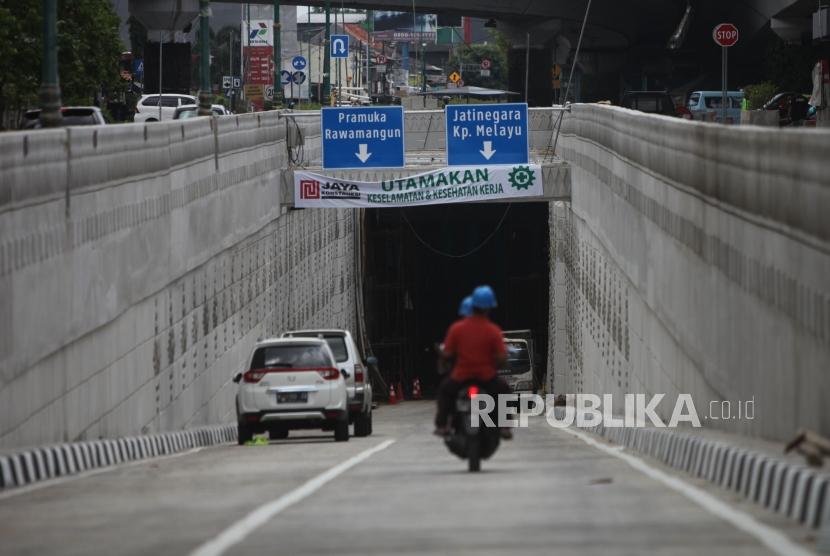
(59, 460)
(791, 489)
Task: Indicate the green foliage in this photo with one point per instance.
(307, 106)
(473, 54)
(88, 55)
(89, 50)
(790, 66)
(758, 94)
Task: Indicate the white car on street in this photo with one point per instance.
(147, 107)
(348, 359)
(291, 384)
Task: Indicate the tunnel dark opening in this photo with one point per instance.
(420, 263)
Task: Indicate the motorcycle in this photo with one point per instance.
(466, 441)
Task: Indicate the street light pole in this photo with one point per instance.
(205, 91)
(278, 100)
(327, 58)
(50, 91)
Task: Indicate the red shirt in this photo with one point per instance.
(476, 343)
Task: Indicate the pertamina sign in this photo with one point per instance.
(725, 35)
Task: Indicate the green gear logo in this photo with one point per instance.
(521, 177)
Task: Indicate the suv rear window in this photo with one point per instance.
(78, 116)
(336, 342)
(167, 102)
(290, 357)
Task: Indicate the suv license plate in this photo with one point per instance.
(292, 397)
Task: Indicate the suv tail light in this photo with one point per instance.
(254, 375)
(329, 373)
(358, 373)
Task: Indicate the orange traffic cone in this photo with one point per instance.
(393, 399)
(416, 389)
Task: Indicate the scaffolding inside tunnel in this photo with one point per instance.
(419, 263)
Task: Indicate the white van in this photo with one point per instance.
(706, 106)
(147, 108)
(519, 370)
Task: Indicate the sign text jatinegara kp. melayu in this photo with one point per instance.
(591, 410)
(445, 185)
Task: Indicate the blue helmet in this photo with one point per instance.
(466, 308)
(484, 298)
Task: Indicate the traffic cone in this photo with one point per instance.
(416, 389)
(393, 399)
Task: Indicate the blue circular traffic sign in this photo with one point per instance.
(298, 62)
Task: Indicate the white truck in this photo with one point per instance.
(519, 371)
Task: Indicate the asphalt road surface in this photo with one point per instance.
(397, 492)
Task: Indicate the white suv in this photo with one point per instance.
(348, 359)
(291, 384)
(147, 108)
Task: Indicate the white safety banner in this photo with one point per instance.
(456, 184)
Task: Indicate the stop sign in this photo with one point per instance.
(725, 35)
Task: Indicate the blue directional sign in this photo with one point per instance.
(363, 137)
(285, 77)
(298, 63)
(486, 134)
(339, 46)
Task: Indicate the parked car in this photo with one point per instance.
(192, 111)
(147, 107)
(348, 358)
(651, 102)
(291, 383)
(72, 115)
(793, 108)
(706, 105)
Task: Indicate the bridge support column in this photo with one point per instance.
(533, 71)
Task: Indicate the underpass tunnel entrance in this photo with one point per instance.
(421, 262)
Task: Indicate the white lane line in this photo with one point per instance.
(770, 537)
(239, 530)
(16, 491)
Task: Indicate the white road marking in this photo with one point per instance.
(239, 530)
(770, 537)
(15, 491)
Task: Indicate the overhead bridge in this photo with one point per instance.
(425, 145)
(139, 264)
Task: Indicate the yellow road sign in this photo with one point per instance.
(455, 77)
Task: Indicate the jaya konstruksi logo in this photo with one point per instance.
(313, 189)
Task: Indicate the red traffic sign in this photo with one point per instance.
(725, 35)
(485, 64)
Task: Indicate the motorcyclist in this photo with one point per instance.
(477, 344)
(466, 308)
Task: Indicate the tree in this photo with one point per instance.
(89, 49)
(473, 54)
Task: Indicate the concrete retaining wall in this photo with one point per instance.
(696, 261)
(138, 264)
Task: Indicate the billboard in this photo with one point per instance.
(401, 27)
(258, 59)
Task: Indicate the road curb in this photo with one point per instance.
(59, 460)
(801, 493)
